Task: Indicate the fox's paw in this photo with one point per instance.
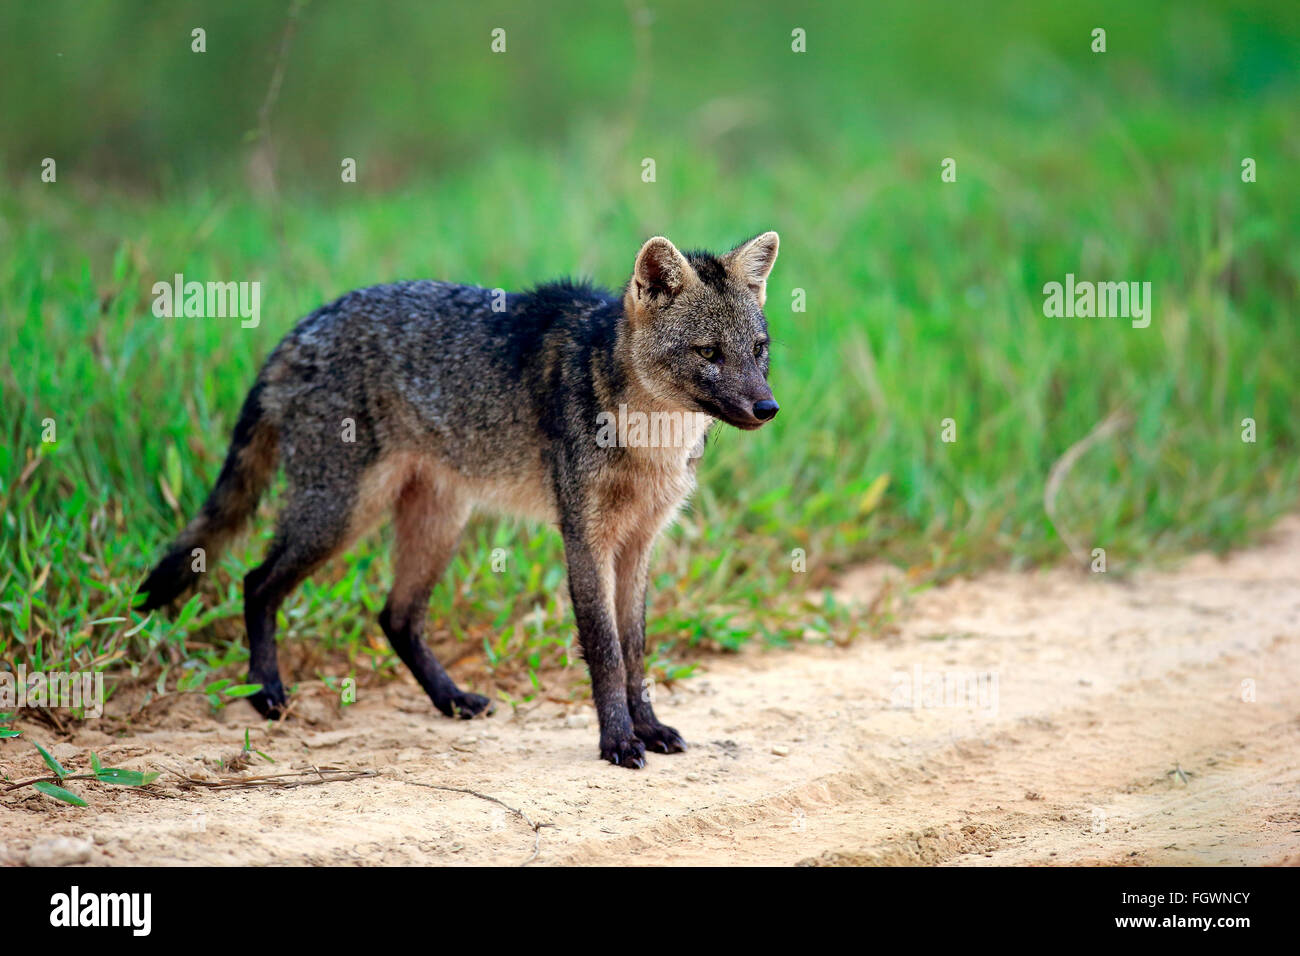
(628, 752)
(271, 701)
(465, 705)
(660, 738)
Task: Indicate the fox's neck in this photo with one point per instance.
(627, 382)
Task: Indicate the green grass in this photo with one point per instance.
(923, 300)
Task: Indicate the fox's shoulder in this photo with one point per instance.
(573, 307)
(566, 293)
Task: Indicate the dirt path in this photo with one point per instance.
(1104, 690)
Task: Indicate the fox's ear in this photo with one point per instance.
(753, 261)
(660, 271)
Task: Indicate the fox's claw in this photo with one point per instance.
(661, 738)
(271, 701)
(465, 705)
(628, 753)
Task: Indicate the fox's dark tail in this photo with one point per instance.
(250, 464)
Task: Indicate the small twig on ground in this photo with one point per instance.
(275, 781)
(1114, 422)
(50, 779)
(535, 827)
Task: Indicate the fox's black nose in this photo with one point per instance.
(766, 409)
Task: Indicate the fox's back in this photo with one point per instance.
(470, 376)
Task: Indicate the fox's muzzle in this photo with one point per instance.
(750, 413)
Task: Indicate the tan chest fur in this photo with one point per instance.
(632, 500)
(639, 497)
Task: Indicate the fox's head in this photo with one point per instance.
(696, 330)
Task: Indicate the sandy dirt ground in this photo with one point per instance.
(1154, 720)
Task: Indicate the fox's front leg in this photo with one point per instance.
(632, 570)
(591, 585)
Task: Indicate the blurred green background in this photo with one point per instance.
(923, 298)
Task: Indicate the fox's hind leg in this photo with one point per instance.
(428, 521)
(312, 528)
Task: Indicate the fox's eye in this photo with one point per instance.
(758, 349)
(707, 351)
